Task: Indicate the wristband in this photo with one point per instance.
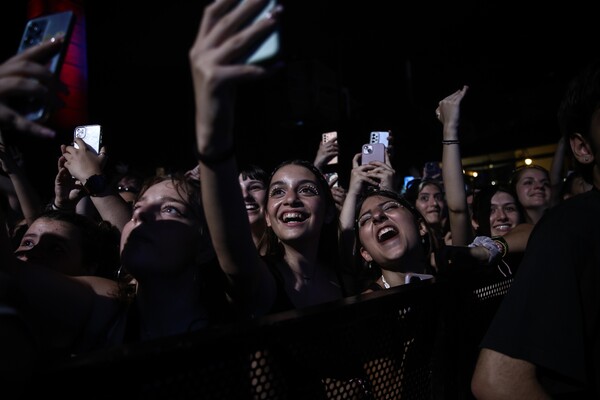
(495, 251)
(452, 141)
(502, 244)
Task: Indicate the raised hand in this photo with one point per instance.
(24, 77)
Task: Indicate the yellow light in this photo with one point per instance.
(475, 174)
(528, 161)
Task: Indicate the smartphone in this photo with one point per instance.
(372, 152)
(333, 177)
(432, 169)
(380, 137)
(91, 135)
(414, 277)
(329, 136)
(41, 29)
(268, 50)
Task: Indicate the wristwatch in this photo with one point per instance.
(95, 185)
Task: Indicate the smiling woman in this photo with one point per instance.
(393, 238)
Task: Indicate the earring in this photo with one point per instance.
(369, 265)
(586, 159)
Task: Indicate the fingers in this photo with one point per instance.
(355, 160)
(43, 52)
(10, 119)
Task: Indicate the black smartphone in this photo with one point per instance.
(268, 50)
(41, 29)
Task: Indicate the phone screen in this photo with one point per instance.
(269, 49)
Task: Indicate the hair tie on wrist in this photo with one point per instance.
(452, 141)
(54, 207)
(215, 159)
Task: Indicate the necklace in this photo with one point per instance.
(385, 283)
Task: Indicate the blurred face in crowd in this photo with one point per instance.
(578, 186)
(254, 192)
(54, 244)
(533, 188)
(430, 202)
(504, 214)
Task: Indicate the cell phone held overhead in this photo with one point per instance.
(380, 137)
(372, 152)
(328, 137)
(267, 51)
(91, 135)
(39, 30)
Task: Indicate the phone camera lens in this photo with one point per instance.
(80, 132)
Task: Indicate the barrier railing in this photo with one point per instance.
(415, 341)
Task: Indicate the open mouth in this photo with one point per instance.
(293, 217)
(386, 233)
(251, 206)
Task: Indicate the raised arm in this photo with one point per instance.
(86, 166)
(25, 76)
(375, 174)
(215, 72)
(452, 171)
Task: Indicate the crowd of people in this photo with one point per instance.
(119, 258)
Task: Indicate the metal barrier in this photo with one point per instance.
(402, 343)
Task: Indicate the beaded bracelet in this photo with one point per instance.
(502, 244)
(451, 141)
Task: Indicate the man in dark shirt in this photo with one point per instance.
(544, 339)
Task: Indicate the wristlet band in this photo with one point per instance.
(502, 245)
(454, 141)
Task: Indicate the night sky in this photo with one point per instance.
(349, 68)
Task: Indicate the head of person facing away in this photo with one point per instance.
(579, 121)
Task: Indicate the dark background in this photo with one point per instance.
(350, 66)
